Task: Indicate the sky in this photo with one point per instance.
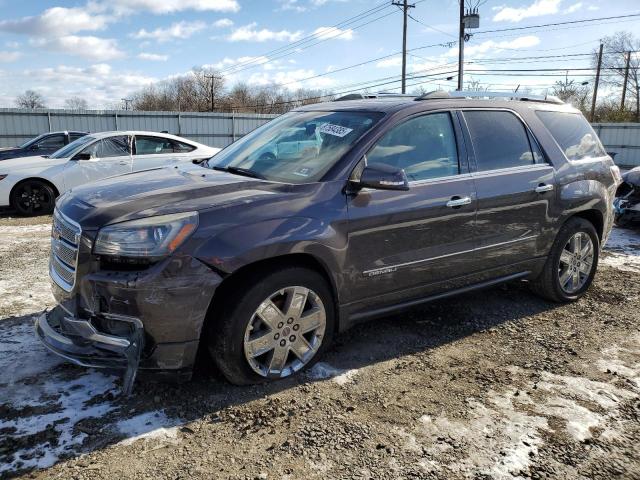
(106, 50)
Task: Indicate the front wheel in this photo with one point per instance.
(275, 328)
(572, 262)
(33, 197)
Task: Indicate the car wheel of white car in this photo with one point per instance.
(33, 197)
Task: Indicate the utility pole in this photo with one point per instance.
(595, 87)
(405, 10)
(211, 78)
(469, 19)
(461, 48)
(626, 79)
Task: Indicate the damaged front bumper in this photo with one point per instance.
(78, 341)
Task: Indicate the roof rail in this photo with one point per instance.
(477, 94)
(362, 96)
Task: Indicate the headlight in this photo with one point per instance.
(147, 237)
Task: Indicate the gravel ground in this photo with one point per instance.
(493, 385)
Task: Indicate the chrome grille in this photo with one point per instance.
(65, 239)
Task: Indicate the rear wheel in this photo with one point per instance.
(572, 262)
(275, 328)
(33, 197)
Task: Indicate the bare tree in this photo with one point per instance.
(614, 61)
(576, 93)
(76, 103)
(30, 99)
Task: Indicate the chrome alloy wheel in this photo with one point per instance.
(285, 332)
(576, 262)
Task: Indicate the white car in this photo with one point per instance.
(31, 184)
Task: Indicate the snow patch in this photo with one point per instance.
(323, 371)
(21, 356)
(622, 250)
(149, 425)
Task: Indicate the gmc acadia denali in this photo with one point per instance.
(323, 217)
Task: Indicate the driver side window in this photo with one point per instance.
(425, 147)
(109, 147)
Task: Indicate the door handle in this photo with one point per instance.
(543, 188)
(458, 201)
(123, 162)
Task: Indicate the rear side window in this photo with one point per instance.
(573, 133)
(180, 147)
(499, 140)
(153, 145)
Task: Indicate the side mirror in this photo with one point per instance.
(382, 177)
(82, 156)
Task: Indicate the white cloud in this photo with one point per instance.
(57, 21)
(389, 62)
(536, 9)
(92, 48)
(333, 33)
(153, 57)
(223, 23)
(573, 8)
(493, 46)
(250, 34)
(99, 84)
(12, 44)
(6, 57)
(230, 62)
(290, 79)
(173, 6)
(179, 30)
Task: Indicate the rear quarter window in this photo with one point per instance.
(573, 134)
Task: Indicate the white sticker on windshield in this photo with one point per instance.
(335, 130)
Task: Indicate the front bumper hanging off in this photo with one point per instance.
(78, 341)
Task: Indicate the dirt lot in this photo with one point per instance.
(495, 385)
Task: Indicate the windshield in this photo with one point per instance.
(32, 141)
(70, 149)
(298, 147)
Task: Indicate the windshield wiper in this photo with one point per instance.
(239, 171)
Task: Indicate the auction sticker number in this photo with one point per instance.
(335, 130)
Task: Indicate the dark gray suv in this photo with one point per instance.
(327, 215)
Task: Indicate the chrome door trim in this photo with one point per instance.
(393, 268)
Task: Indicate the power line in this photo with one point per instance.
(559, 23)
(303, 44)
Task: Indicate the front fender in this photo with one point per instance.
(243, 245)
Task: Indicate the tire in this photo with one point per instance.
(622, 220)
(231, 338)
(33, 197)
(553, 283)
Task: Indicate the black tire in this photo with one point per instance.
(622, 220)
(33, 197)
(547, 285)
(226, 333)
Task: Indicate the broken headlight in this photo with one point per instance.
(147, 237)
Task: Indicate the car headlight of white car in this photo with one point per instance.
(151, 237)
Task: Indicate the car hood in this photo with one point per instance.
(24, 163)
(158, 192)
(9, 150)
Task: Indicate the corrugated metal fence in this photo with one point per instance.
(622, 139)
(214, 129)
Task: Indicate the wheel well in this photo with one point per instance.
(245, 273)
(42, 180)
(596, 219)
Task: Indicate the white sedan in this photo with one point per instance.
(31, 184)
